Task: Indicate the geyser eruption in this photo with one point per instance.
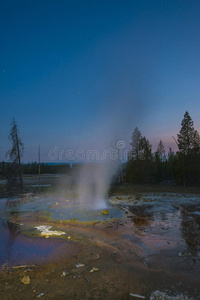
(93, 183)
(117, 113)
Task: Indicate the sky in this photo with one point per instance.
(79, 75)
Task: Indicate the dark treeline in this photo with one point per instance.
(143, 166)
(181, 168)
(32, 168)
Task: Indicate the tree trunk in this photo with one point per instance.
(20, 170)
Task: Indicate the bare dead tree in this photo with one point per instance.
(15, 154)
(39, 165)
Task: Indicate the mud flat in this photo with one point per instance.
(145, 245)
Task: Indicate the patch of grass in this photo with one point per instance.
(118, 198)
(137, 196)
(130, 189)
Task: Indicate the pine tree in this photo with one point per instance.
(170, 161)
(189, 149)
(145, 149)
(159, 162)
(186, 136)
(160, 152)
(16, 153)
(136, 143)
(196, 142)
(140, 158)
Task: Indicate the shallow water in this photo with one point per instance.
(162, 222)
(16, 248)
(61, 209)
(17, 213)
(160, 231)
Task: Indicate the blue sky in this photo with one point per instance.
(78, 74)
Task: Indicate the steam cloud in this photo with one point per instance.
(93, 182)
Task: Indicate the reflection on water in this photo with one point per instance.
(142, 211)
(141, 221)
(17, 248)
(13, 202)
(165, 223)
(190, 227)
(142, 215)
(13, 231)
